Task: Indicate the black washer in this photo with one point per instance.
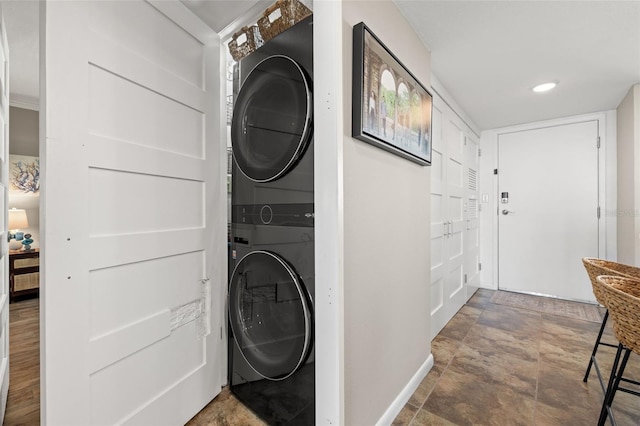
(271, 125)
(269, 314)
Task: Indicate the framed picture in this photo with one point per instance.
(391, 108)
(24, 181)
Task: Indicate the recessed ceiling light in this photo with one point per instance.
(544, 87)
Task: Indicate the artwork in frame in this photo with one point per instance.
(391, 108)
(24, 181)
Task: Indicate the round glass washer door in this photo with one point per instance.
(269, 315)
(271, 124)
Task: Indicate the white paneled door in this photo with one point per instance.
(4, 255)
(438, 225)
(472, 212)
(134, 209)
(548, 211)
(448, 288)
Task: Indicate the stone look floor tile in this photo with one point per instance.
(406, 415)
(546, 415)
(461, 323)
(466, 399)
(443, 349)
(568, 358)
(488, 338)
(480, 299)
(424, 389)
(425, 418)
(569, 332)
(225, 410)
(499, 368)
(563, 388)
(515, 320)
(489, 376)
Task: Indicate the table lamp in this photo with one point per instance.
(17, 221)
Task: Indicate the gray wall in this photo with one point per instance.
(628, 209)
(23, 132)
(23, 140)
(386, 240)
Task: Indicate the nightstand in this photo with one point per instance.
(24, 273)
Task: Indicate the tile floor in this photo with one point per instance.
(497, 365)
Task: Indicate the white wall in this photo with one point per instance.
(386, 240)
(489, 189)
(372, 234)
(628, 208)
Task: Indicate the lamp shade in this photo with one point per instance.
(18, 219)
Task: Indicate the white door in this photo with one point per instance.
(455, 287)
(134, 212)
(471, 207)
(549, 220)
(438, 222)
(448, 289)
(4, 255)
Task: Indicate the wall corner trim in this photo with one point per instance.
(403, 397)
(24, 102)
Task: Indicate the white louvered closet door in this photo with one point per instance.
(472, 212)
(448, 289)
(438, 225)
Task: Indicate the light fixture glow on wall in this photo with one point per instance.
(544, 87)
(17, 220)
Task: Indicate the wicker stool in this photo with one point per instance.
(621, 296)
(596, 267)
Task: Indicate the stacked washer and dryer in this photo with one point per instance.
(271, 286)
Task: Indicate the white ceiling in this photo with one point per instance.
(486, 54)
(489, 54)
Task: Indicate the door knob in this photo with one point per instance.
(506, 212)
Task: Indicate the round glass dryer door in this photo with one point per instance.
(271, 124)
(269, 315)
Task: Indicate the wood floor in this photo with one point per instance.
(23, 406)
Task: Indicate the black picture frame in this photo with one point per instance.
(391, 108)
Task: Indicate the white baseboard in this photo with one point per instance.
(403, 397)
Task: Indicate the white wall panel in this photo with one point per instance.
(111, 347)
(135, 209)
(455, 282)
(122, 109)
(455, 173)
(124, 294)
(3, 212)
(436, 208)
(159, 39)
(180, 354)
(121, 202)
(455, 208)
(455, 246)
(4, 337)
(437, 171)
(106, 153)
(437, 294)
(3, 140)
(437, 258)
(3, 270)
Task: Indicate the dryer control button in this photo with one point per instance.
(266, 214)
